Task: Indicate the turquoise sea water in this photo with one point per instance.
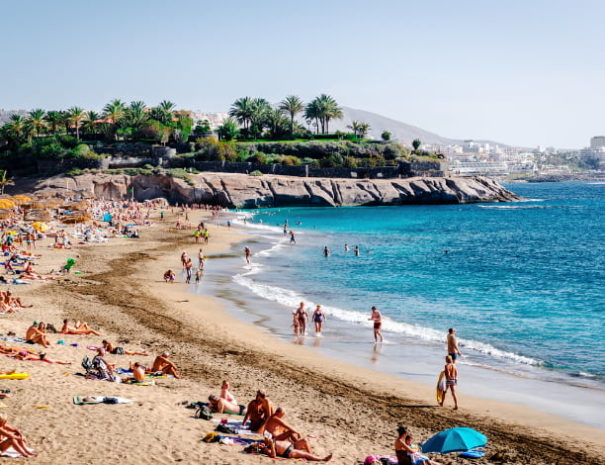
(523, 283)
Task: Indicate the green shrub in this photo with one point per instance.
(256, 173)
(258, 157)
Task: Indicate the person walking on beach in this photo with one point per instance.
(301, 316)
(451, 380)
(452, 345)
(248, 254)
(292, 238)
(189, 269)
(318, 319)
(376, 317)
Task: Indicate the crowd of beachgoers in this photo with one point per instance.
(259, 425)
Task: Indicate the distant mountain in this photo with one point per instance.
(403, 132)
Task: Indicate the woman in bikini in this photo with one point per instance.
(451, 380)
(301, 316)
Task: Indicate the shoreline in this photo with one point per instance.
(354, 411)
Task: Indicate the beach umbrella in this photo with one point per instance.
(454, 440)
(39, 226)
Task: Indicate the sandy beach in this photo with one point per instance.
(345, 410)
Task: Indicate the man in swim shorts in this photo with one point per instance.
(452, 345)
(376, 317)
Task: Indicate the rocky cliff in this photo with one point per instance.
(244, 191)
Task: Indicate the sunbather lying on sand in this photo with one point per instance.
(162, 364)
(286, 450)
(25, 355)
(225, 394)
(36, 334)
(12, 437)
(80, 328)
(9, 299)
(219, 405)
(111, 349)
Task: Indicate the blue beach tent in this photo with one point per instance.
(454, 440)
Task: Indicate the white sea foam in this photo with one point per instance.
(290, 299)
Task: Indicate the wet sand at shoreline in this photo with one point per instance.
(350, 411)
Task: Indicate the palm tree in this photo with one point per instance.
(261, 109)
(416, 143)
(36, 120)
(354, 126)
(330, 110)
(135, 114)
(76, 115)
(243, 111)
(292, 105)
(53, 118)
(228, 130)
(359, 129)
(114, 110)
(4, 181)
(18, 125)
(89, 125)
(322, 109)
(312, 114)
(65, 121)
(164, 112)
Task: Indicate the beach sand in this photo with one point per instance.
(343, 409)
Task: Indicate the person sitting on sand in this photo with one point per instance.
(165, 366)
(413, 452)
(12, 437)
(105, 371)
(35, 334)
(266, 406)
(111, 349)
(225, 394)
(285, 449)
(219, 405)
(80, 328)
(169, 276)
(282, 431)
(138, 373)
(255, 415)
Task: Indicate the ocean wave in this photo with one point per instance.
(519, 207)
(291, 299)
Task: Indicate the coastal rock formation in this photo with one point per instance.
(244, 191)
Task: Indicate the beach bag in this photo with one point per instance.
(222, 428)
(204, 413)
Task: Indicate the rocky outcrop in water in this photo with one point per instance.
(244, 191)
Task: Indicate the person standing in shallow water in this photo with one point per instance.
(318, 319)
(292, 238)
(326, 251)
(376, 317)
(248, 254)
(356, 250)
(452, 345)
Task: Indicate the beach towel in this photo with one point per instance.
(472, 454)
(15, 376)
(382, 459)
(140, 383)
(11, 453)
(96, 399)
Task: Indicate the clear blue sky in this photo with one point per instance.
(517, 71)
